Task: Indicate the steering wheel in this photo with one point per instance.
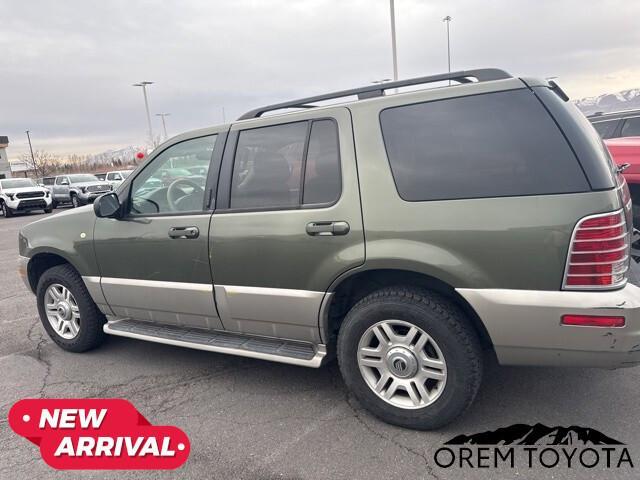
(174, 187)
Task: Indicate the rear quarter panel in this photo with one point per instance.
(508, 242)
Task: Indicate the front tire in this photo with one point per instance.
(410, 357)
(6, 211)
(67, 311)
(75, 203)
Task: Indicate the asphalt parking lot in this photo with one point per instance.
(253, 419)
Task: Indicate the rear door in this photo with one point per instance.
(287, 221)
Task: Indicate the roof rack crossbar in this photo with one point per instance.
(462, 76)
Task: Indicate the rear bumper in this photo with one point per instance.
(525, 328)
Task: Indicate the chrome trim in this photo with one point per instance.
(172, 303)
(275, 312)
(315, 362)
(599, 239)
(570, 251)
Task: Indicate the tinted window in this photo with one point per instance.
(59, 180)
(605, 129)
(322, 182)
(166, 186)
(48, 181)
(490, 145)
(631, 127)
(267, 165)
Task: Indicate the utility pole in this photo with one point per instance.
(164, 125)
(33, 159)
(144, 84)
(447, 20)
(394, 52)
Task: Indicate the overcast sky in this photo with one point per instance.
(66, 67)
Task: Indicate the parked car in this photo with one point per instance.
(116, 177)
(404, 233)
(23, 195)
(626, 154)
(625, 123)
(101, 176)
(78, 189)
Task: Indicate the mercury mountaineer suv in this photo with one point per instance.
(410, 234)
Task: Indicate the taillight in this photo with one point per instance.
(599, 253)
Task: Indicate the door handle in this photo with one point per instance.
(327, 228)
(184, 232)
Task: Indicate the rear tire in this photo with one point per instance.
(48, 210)
(57, 308)
(441, 363)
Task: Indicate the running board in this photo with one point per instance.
(263, 348)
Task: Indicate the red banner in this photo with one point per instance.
(97, 434)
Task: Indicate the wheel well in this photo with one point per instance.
(39, 264)
(351, 290)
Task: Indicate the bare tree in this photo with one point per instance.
(42, 164)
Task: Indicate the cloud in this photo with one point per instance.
(67, 67)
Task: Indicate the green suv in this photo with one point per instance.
(410, 235)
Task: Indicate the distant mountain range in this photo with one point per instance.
(610, 102)
(538, 434)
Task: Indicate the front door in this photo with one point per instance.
(287, 222)
(61, 189)
(154, 262)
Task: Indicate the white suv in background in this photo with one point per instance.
(116, 177)
(23, 195)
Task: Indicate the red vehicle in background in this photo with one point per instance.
(627, 151)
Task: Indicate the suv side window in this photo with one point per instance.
(606, 129)
(167, 186)
(322, 181)
(631, 127)
(272, 163)
(489, 145)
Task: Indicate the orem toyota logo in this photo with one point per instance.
(534, 446)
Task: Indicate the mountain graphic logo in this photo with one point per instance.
(538, 434)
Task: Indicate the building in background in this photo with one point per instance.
(5, 169)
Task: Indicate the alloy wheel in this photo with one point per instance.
(402, 364)
(62, 310)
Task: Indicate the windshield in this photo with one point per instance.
(82, 178)
(17, 183)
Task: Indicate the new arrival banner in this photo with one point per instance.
(97, 434)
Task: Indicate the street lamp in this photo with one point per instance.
(394, 52)
(447, 20)
(164, 125)
(33, 159)
(144, 84)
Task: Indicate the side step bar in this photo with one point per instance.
(263, 348)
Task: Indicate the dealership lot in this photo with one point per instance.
(251, 419)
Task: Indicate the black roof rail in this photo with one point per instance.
(371, 91)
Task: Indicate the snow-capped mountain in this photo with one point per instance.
(610, 102)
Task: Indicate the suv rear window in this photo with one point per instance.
(606, 129)
(489, 145)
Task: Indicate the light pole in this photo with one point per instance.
(144, 84)
(33, 159)
(394, 52)
(447, 20)
(164, 125)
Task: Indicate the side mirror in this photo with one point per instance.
(107, 206)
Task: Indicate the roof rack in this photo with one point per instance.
(371, 91)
